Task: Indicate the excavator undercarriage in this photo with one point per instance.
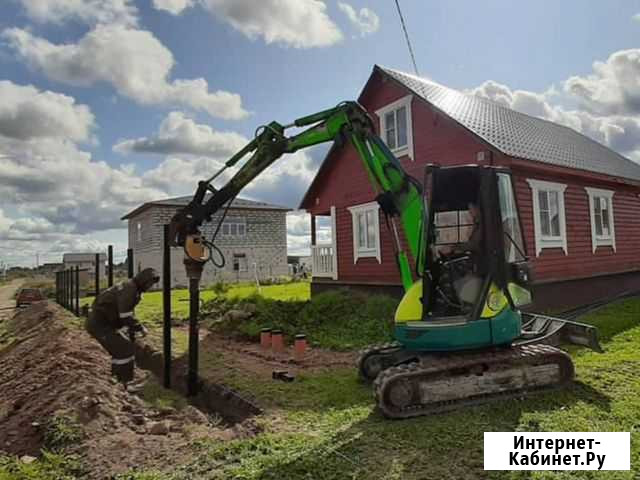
(410, 383)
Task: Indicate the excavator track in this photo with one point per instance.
(376, 358)
(439, 383)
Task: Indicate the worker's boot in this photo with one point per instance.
(123, 369)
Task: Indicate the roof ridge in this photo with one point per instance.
(493, 102)
(530, 147)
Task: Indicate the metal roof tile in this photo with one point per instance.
(517, 134)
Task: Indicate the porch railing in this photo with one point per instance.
(323, 261)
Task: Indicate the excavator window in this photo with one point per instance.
(513, 242)
(457, 240)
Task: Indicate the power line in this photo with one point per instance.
(406, 36)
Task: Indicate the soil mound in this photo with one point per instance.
(51, 369)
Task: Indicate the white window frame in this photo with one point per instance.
(138, 231)
(237, 221)
(602, 240)
(545, 241)
(369, 252)
(401, 102)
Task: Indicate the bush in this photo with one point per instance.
(335, 319)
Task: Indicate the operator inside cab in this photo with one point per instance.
(463, 259)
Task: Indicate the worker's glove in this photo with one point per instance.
(137, 329)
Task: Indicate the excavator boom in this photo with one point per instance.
(399, 195)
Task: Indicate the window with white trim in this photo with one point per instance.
(396, 127)
(234, 227)
(548, 215)
(139, 231)
(366, 231)
(601, 213)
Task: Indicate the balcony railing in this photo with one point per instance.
(323, 261)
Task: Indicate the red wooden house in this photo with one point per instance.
(579, 201)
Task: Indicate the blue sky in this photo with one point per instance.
(113, 70)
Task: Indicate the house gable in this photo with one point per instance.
(436, 138)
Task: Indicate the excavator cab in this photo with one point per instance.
(475, 271)
(475, 240)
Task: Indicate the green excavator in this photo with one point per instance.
(460, 335)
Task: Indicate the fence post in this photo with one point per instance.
(65, 292)
(110, 255)
(77, 272)
(130, 263)
(194, 311)
(71, 289)
(166, 306)
(97, 274)
(57, 288)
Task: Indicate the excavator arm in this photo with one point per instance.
(399, 194)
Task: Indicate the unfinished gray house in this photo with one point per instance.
(253, 239)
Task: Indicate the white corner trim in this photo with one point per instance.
(401, 102)
(365, 253)
(546, 241)
(334, 242)
(603, 240)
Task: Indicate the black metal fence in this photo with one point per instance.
(68, 281)
(68, 289)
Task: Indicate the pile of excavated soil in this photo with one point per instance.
(50, 366)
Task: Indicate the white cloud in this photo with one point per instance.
(174, 7)
(26, 112)
(66, 186)
(86, 11)
(179, 134)
(366, 21)
(295, 23)
(133, 61)
(613, 87)
(51, 184)
(283, 183)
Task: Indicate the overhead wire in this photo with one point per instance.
(406, 36)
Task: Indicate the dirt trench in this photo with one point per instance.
(51, 368)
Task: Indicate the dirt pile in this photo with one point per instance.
(56, 387)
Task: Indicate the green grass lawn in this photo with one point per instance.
(324, 425)
(149, 310)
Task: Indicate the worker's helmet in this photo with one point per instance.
(146, 278)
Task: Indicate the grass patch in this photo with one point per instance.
(614, 318)
(61, 431)
(50, 466)
(159, 397)
(335, 319)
